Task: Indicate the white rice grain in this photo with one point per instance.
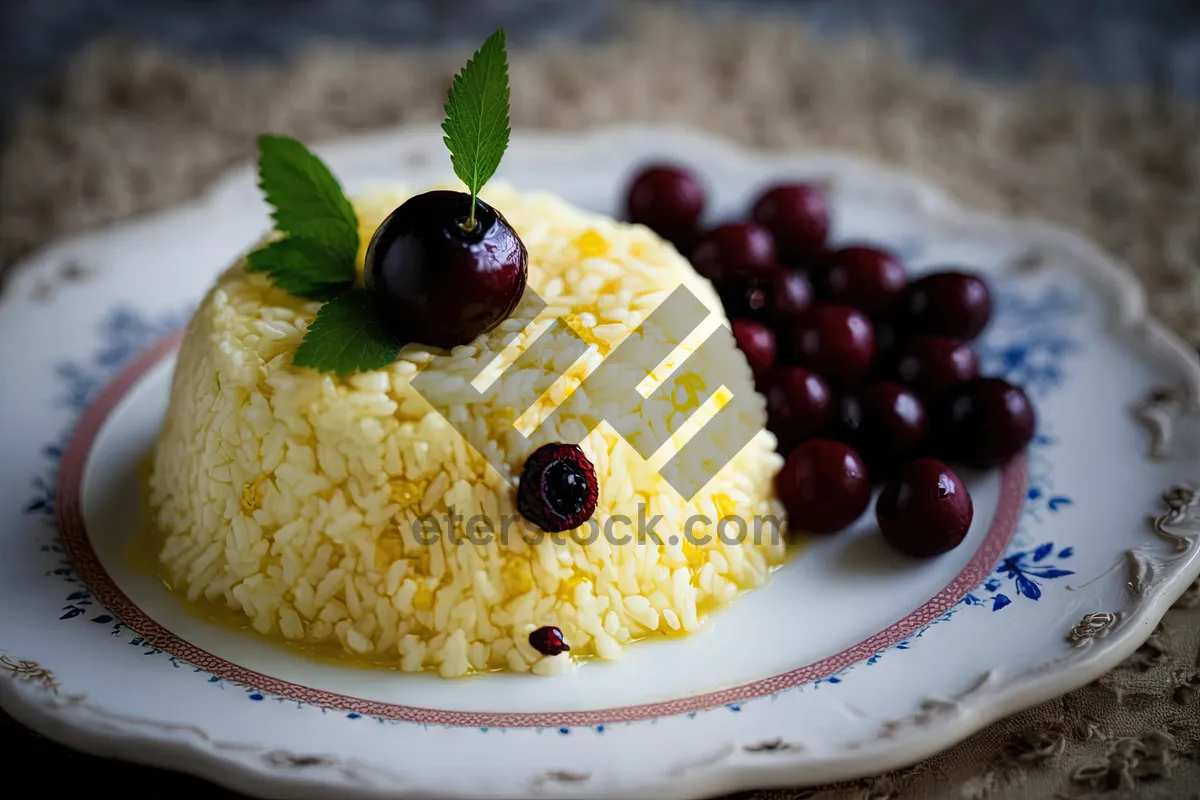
(289, 496)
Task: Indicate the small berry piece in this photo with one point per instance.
(985, 422)
(548, 640)
(866, 278)
(933, 364)
(757, 342)
(558, 490)
(892, 426)
(848, 418)
(797, 216)
(799, 405)
(887, 339)
(836, 341)
(954, 304)
(925, 510)
(735, 247)
(667, 200)
(823, 486)
(766, 294)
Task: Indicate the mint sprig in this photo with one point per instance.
(317, 254)
(347, 336)
(308, 202)
(316, 259)
(303, 267)
(477, 126)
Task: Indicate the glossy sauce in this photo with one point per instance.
(147, 542)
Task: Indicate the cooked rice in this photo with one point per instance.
(289, 496)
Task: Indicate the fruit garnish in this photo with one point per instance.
(887, 337)
(836, 341)
(766, 294)
(729, 249)
(558, 490)
(925, 510)
(439, 282)
(757, 342)
(985, 422)
(933, 364)
(892, 426)
(799, 405)
(548, 640)
(867, 278)
(797, 215)
(445, 266)
(667, 200)
(823, 486)
(880, 368)
(954, 304)
(442, 269)
(849, 418)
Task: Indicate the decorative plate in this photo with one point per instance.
(851, 662)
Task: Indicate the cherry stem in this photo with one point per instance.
(469, 225)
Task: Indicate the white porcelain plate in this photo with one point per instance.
(853, 661)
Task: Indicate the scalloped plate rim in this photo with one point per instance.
(31, 707)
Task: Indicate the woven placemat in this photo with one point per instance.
(129, 129)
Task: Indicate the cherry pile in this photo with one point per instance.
(868, 372)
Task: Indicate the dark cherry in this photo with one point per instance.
(558, 489)
(933, 364)
(954, 304)
(438, 283)
(848, 418)
(985, 422)
(766, 294)
(799, 405)
(668, 200)
(757, 341)
(797, 216)
(836, 341)
(548, 640)
(925, 510)
(823, 486)
(892, 425)
(865, 278)
(887, 337)
(735, 247)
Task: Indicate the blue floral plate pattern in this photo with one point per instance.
(1077, 551)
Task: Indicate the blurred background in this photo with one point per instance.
(1154, 42)
(1084, 112)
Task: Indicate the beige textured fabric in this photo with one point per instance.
(131, 130)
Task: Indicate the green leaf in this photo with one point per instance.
(308, 201)
(347, 336)
(303, 267)
(477, 126)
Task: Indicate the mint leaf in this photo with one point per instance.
(308, 201)
(303, 267)
(347, 336)
(477, 126)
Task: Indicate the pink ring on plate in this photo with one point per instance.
(100, 583)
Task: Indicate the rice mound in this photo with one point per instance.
(289, 495)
